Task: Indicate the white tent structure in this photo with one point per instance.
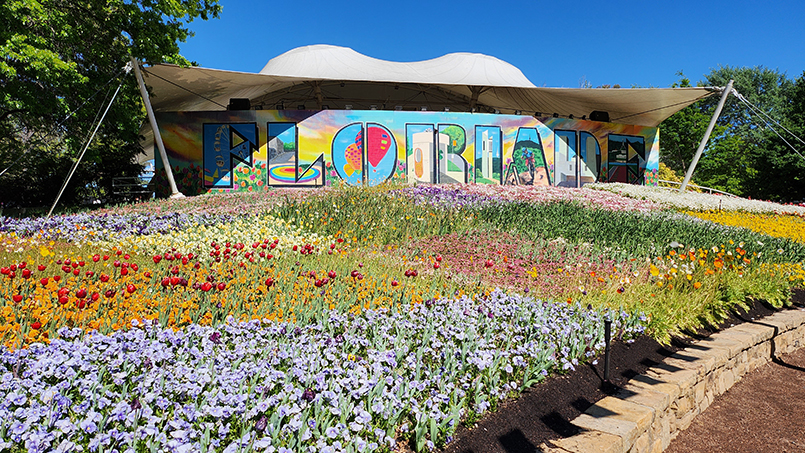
(330, 77)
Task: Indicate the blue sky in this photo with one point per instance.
(555, 44)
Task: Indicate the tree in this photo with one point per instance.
(60, 61)
(780, 172)
(741, 156)
(681, 133)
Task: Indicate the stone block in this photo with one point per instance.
(685, 379)
(683, 423)
(759, 332)
(662, 430)
(744, 338)
(588, 441)
(612, 407)
(657, 401)
(626, 430)
(790, 319)
(682, 405)
(656, 385)
(642, 444)
(699, 390)
(717, 340)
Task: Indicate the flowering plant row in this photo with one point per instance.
(696, 201)
(477, 195)
(784, 226)
(346, 383)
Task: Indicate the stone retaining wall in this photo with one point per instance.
(654, 407)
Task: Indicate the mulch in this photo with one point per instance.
(544, 412)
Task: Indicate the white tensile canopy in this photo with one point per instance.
(323, 76)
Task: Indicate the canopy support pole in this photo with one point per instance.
(319, 96)
(476, 91)
(157, 136)
(86, 146)
(692, 167)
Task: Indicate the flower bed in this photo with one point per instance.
(349, 320)
(362, 380)
(696, 201)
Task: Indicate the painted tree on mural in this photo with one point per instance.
(60, 61)
(743, 156)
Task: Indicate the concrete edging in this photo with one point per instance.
(654, 407)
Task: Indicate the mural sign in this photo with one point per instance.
(257, 149)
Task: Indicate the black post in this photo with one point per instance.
(607, 335)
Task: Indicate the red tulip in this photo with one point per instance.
(17, 298)
(221, 286)
(131, 288)
(41, 267)
(206, 286)
(36, 326)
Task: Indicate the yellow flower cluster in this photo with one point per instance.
(784, 226)
(194, 238)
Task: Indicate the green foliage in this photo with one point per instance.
(60, 61)
(681, 133)
(623, 235)
(743, 156)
